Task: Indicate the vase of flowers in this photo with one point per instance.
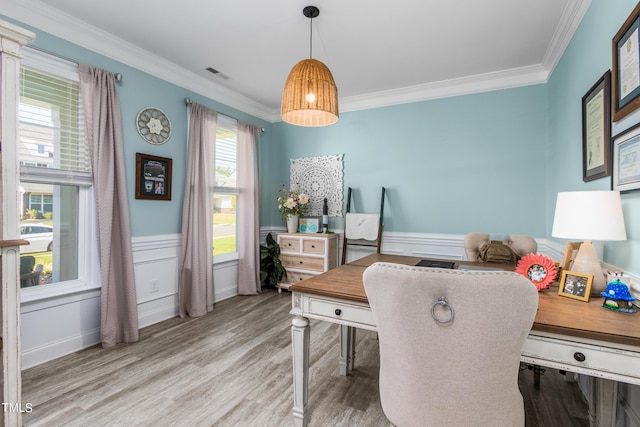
(292, 204)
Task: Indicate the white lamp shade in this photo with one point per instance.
(589, 215)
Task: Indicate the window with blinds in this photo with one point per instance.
(56, 183)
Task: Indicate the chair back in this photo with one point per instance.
(26, 264)
(452, 363)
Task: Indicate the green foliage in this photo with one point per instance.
(48, 215)
(271, 269)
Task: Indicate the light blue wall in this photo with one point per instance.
(585, 60)
(455, 165)
(490, 162)
(136, 91)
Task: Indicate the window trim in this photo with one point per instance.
(88, 261)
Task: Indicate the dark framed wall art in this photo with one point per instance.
(625, 75)
(596, 130)
(153, 177)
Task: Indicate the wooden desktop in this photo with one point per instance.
(567, 334)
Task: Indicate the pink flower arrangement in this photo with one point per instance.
(292, 202)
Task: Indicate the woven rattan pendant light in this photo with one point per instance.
(310, 96)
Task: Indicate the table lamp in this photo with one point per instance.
(589, 215)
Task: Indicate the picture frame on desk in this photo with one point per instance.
(309, 225)
(570, 252)
(626, 160)
(626, 67)
(596, 130)
(575, 285)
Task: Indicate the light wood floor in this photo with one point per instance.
(233, 368)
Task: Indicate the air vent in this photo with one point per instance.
(217, 73)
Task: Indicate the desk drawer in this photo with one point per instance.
(584, 356)
(289, 244)
(340, 310)
(312, 246)
(302, 263)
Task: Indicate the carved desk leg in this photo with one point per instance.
(607, 402)
(300, 344)
(346, 348)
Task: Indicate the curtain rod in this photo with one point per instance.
(189, 101)
(118, 76)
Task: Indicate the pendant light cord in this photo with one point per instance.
(311, 37)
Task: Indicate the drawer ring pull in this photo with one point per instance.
(338, 312)
(442, 301)
(580, 357)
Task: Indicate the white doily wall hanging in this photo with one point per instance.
(319, 178)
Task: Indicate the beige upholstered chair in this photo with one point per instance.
(521, 244)
(463, 372)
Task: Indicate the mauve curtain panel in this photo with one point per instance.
(249, 213)
(119, 311)
(196, 271)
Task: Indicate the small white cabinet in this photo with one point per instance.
(304, 255)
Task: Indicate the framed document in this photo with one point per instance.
(625, 77)
(596, 130)
(626, 160)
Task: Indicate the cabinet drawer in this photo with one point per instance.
(340, 310)
(313, 246)
(295, 277)
(302, 263)
(289, 244)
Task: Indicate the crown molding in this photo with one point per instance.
(504, 79)
(51, 20)
(66, 27)
(569, 23)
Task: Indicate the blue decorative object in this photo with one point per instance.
(615, 296)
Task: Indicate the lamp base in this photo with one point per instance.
(587, 262)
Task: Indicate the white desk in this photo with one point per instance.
(567, 334)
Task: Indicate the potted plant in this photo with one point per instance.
(271, 269)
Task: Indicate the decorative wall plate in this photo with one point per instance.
(539, 269)
(153, 125)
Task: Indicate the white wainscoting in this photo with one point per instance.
(60, 325)
(156, 261)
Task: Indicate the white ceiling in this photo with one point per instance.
(380, 53)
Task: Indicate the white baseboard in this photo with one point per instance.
(57, 349)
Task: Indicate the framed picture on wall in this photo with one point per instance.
(625, 76)
(153, 177)
(596, 130)
(626, 160)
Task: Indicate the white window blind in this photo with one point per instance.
(52, 133)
